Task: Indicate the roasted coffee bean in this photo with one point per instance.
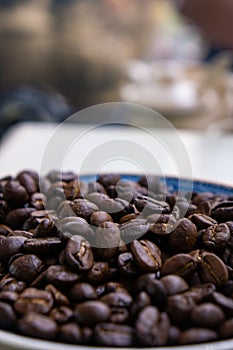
(142, 300)
(9, 297)
(10, 246)
(71, 333)
(28, 182)
(157, 293)
(183, 265)
(76, 189)
(26, 268)
(127, 265)
(61, 277)
(59, 298)
(223, 211)
(146, 255)
(38, 201)
(134, 229)
(173, 335)
(79, 254)
(20, 233)
(141, 282)
(212, 269)
(107, 235)
(17, 217)
(34, 300)
(72, 226)
(99, 217)
(83, 208)
(202, 221)
(152, 327)
(46, 228)
(117, 299)
(42, 246)
(90, 313)
(8, 317)
(161, 224)
(184, 237)
(82, 291)
(110, 334)
(108, 179)
(13, 286)
(96, 187)
(174, 284)
(15, 194)
(61, 314)
(55, 175)
(37, 325)
(4, 209)
(149, 205)
(98, 273)
(207, 315)
(200, 292)
(128, 217)
(216, 237)
(197, 335)
(226, 329)
(179, 308)
(4, 230)
(119, 315)
(225, 303)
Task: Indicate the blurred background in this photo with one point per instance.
(59, 56)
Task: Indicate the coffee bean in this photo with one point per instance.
(82, 291)
(157, 292)
(28, 182)
(179, 308)
(223, 211)
(61, 277)
(70, 333)
(152, 327)
(212, 269)
(37, 325)
(108, 179)
(10, 246)
(184, 237)
(224, 302)
(98, 273)
(42, 246)
(119, 315)
(7, 316)
(109, 334)
(15, 194)
(72, 226)
(83, 208)
(134, 229)
(207, 315)
(26, 268)
(34, 300)
(197, 335)
(174, 284)
(79, 254)
(149, 205)
(226, 329)
(161, 224)
(142, 300)
(46, 228)
(182, 265)
(75, 189)
(4, 230)
(216, 237)
(99, 217)
(203, 221)
(200, 292)
(90, 313)
(146, 255)
(16, 218)
(61, 314)
(117, 299)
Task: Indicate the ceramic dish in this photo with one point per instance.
(10, 341)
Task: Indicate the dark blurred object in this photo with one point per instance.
(31, 102)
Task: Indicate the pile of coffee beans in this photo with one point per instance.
(114, 263)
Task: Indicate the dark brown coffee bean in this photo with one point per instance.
(4, 209)
(43, 246)
(26, 268)
(99, 217)
(46, 228)
(108, 179)
(216, 237)
(223, 211)
(127, 266)
(200, 292)
(174, 284)
(10, 246)
(146, 255)
(55, 175)
(98, 273)
(34, 300)
(141, 282)
(70, 333)
(197, 335)
(90, 313)
(61, 277)
(76, 189)
(38, 201)
(82, 291)
(110, 334)
(59, 298)
(4, 230)
(184, 236)
(14, 286)
(212, 269)
(173, 335)
(161, 224)
(9, 297)
(207, 315)
(83, 208)
(152, 327)
(119, 315)
(107, 240)
(179, 308)
(15, 194)
(149, 205)
(117, 299)
(79, 254)
(71, 226)
(96, 187)
(224, 302)
(226, 329)
(28, 182)
(16, 218)
(20, 233)
(134, 229)
(182, 265)
(8, 317)
(61, 314)
(37, 325)
(157, 292)
(128, 217)
(142, 300)
(202, 221)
